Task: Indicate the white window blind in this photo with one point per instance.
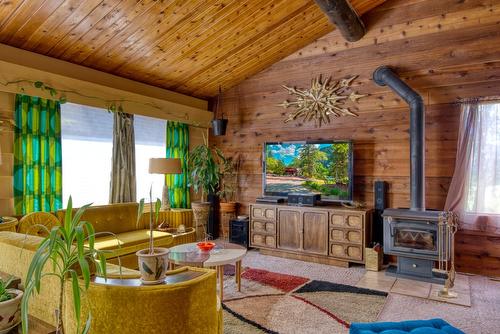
(149, 143)
(87, 139)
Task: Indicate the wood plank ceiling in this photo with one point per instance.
(190, 46)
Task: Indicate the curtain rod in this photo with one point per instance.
(478, 99)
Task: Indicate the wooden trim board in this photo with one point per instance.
(90, 87)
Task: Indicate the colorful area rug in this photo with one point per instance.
(278, 303)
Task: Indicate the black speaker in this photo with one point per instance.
(238, 232)
(380, 195)
(213, 216)
(380, 199)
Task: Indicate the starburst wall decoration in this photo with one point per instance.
(322, 100)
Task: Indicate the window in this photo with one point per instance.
(87, 148)
(149, 143)
(87, 140)
(483, 194)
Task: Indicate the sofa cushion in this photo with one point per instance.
(432, 326)
(116, 218)
(130, 242)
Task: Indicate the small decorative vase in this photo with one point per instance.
(153, 267)
(10, 311)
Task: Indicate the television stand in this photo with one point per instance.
(325, 234)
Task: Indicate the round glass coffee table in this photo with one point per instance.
(222, 254)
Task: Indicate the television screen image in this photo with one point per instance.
(309, 167)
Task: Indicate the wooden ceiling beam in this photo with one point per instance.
(345, 18)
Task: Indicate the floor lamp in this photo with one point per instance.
(165, 166)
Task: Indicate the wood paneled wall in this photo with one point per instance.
(444, 49)
(7, 155)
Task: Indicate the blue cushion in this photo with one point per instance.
(432, 326)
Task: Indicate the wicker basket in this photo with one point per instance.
(374, 259)
(200, 213)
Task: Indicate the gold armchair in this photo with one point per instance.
(186, 307)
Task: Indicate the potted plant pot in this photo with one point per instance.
(219, 127)
(153, 267)
(201, 211)
(10, 310)
(228, 207)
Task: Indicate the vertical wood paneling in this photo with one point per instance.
(7, 101)
(446, 53)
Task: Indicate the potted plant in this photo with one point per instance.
(204, 177)
(10, 306)
(229, 167)
(219, 125)
(69, 251)
(153, 261)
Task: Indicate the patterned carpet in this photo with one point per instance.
(271, 302)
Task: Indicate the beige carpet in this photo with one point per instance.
(481, 318)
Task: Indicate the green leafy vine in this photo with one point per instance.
(112, 106)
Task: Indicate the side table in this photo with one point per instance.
(9, 224)
(224, 253)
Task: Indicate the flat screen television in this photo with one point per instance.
(324, 167)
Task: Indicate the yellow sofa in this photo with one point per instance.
(187, 307)
(119, 232)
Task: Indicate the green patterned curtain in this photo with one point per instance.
(178, 147)
(37, 155)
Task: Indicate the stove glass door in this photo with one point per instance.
(415, 237)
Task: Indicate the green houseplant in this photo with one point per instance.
(10, 301)
(229, 167)
(153, 261)
(204, 178)
(228, 207)
(68, 254)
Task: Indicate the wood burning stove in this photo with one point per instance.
(413, 234)
(417, 239)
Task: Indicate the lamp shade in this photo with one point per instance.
(165, 166)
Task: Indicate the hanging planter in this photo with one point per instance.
(219, 125)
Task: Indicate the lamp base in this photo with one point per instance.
(165, 199)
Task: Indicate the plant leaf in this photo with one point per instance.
(140, 210)
(85, 271)
(68, 214)
(76, 297)
(157, 210)
(86, 329)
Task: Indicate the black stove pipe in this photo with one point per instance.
(383, 76)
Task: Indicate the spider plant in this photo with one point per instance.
(69, 247)
(152, 223)
(5, 294)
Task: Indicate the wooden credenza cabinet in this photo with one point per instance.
(324, 234)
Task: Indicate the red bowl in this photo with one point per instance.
(205, 246)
